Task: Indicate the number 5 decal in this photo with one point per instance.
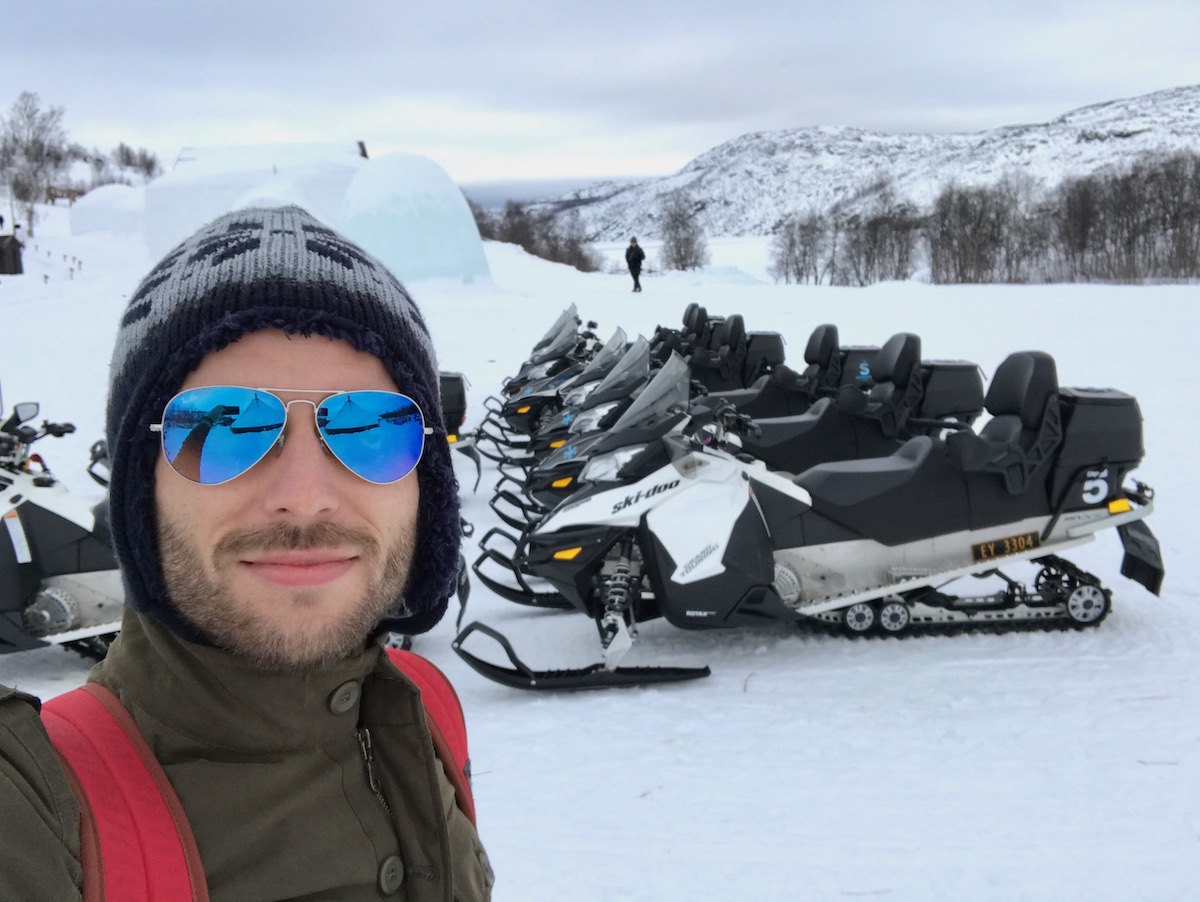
(1095, 487)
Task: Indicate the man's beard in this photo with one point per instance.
(208, 604)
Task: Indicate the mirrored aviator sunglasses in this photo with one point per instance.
(215, 433)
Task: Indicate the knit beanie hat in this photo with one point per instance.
(268, 269)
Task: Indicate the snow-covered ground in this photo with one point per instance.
(1046, 765)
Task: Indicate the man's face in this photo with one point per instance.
(292, 563)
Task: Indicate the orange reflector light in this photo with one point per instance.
(1119, 506)
(562, 483)
(567, 554)
(452, 438)
(524, 409)
(559, 443)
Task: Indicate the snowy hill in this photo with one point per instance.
(748, 185)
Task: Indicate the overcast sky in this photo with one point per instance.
(497, 89)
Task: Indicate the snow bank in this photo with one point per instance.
(109, 208)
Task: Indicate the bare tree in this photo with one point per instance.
(684, 245)
(33, 150)
(798, 249)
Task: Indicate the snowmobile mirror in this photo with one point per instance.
(27, 410)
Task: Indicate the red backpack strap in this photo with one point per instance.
(445, 719)
(135, 838)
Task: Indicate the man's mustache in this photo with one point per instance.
(291, 537)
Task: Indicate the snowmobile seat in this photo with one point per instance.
(850, 482)
(1026, 424)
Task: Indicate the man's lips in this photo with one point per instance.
(311, 567)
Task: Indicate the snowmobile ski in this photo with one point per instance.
(597, 676)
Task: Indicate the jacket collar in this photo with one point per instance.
(217, 698)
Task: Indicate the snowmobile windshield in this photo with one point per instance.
(559, 340)
(668, 390)
(606, 359)
(630, 371)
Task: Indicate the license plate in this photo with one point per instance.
(997, 548)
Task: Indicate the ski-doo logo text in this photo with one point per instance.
(631, 500)
(705, 553)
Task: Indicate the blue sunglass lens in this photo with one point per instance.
(212, 434)
(377, 434)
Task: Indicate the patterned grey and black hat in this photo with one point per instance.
(268, 269)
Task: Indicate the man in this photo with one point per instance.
(634, 256)
(276, 505)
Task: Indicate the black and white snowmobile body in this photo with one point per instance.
(58, 579)
(714, 539)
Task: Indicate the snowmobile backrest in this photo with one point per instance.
(896, 360)
(764, 352)
(695, 323)
(1026, 424)
(1023, 383)
(822, 345)
(953, 390)
(856, 365)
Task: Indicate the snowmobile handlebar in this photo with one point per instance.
(58, 430)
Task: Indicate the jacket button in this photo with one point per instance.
(344, 697)
(391, 874)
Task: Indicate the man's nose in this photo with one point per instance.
(301, 477)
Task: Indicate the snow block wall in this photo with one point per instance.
(402, 208)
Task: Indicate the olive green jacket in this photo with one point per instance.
(274, 770)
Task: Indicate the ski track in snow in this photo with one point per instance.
(1030, 765)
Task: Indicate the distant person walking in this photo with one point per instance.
(634, 256)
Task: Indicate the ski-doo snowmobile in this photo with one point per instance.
(58, 579)
(712, 539)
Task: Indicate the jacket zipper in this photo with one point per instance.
(364, 743)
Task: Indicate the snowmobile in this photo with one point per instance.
(712, 538)
(58, 579)
(908, 397)
(837, 420)
(529, 409)
(754, 370)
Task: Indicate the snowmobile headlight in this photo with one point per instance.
(605, 467)
(589, 420)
